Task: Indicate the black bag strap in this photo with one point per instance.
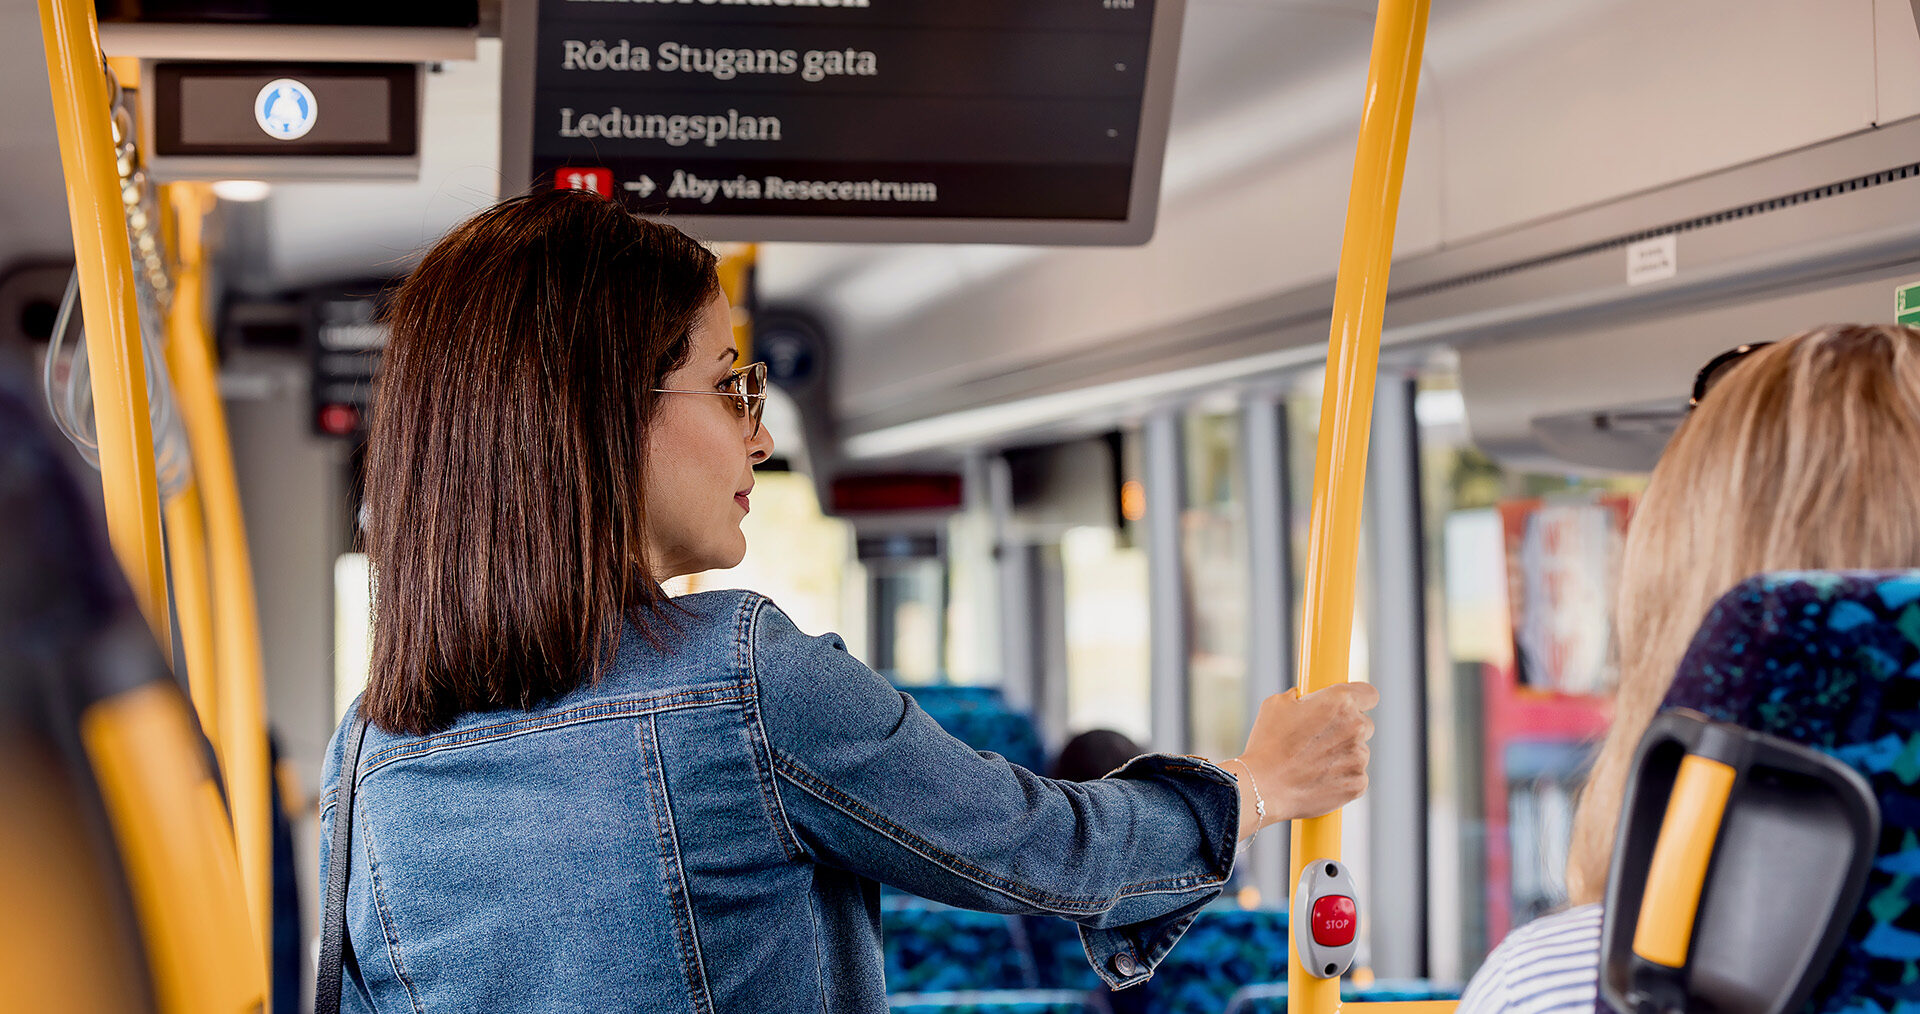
(333, 918)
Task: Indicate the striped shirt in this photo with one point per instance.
(1548, 966)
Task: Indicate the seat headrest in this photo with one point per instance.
(1831, 660)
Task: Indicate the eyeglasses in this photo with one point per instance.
(747, 386)
(1703, 381)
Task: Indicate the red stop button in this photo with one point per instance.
(1334, 918)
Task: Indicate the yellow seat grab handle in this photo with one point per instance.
(1671, 900)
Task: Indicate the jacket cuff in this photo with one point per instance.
(1127, 955)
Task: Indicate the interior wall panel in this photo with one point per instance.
(1640, 93)
(1896, 60)
(1221, 247)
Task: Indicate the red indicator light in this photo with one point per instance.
(339, 420)
(600, 181)
(1334, 919)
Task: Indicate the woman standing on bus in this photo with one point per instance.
(577, 794)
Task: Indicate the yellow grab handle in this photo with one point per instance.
(1346, 410)
(242, 731)
(1679, 869)
(83, 119)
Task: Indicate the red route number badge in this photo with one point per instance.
(600, 181)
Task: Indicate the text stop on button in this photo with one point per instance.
(1333, 919)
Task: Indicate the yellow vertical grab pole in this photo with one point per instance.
(193, 603)
(736, 278)
(1346, 409)
(83, 119)
(187, 526)
(242, 733)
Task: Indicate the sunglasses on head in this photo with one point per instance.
(1704, 380)
(747, 386)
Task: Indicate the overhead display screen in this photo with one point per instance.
(1039, 121)
(284, 109)
(357, 13)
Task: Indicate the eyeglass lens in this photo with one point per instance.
(750, 383)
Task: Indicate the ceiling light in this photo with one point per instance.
(241, 190)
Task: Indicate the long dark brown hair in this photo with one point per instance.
(505, 513)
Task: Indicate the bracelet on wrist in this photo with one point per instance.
(1259, 804)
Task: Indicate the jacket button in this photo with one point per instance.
(1124, 966)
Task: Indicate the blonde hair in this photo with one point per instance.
(1806, 455)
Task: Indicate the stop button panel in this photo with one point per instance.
(1333, 920)
(1326, 919)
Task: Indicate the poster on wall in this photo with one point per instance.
(1563, 572)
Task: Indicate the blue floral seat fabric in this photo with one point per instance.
(1058, 955)
(1832, 661)
(1271, 998)
(1012, 1001)
(934, 695)
(980, 718)
(1224, 950)
(931, 947)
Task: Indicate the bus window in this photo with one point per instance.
(1106, 620)
(1213, 530)
(1104, 610)
(973, 648)
(352, 628)
(1505, 754)
(796, 556)
(907, 626)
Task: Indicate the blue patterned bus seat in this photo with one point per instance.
(931, 947)
(1271, 997)
(945, 694)
(1001, 1001)
(1831, 660)
(1224, 950)
(1058, 953)
(983, 721)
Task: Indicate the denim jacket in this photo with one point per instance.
(703, 830)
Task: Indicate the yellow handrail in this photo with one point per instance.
(83, 118)
(193, 603)
(1353, 357)
(242, 732)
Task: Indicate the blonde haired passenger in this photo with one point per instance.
(1802, 454)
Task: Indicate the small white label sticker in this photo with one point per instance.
(1652, 260)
